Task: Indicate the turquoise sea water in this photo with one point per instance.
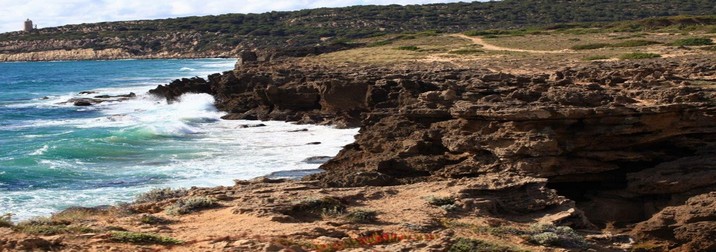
(55, 155)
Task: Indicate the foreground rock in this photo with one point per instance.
(85, 101)
(271, 215)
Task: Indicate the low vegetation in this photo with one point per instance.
(369, 241)
(470, 245)
(440, 201)
(627, 43)
(153, 220)
(635, 43)
(6, 220)
(319, 206)
(48, 226)
(693, 42)
(408, 48)
(362, 216)
(190, 205)
(550, 235)
(160, 194)
(597, 57)
(590, 46)
(466, 51)
(142, 238)
(639, 55)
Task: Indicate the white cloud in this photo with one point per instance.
(60, 12)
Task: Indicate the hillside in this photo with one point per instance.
(226, 35)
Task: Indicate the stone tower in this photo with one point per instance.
(28, 25)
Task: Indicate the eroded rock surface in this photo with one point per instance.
(624, 140)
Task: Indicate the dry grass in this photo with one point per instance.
(408, 49)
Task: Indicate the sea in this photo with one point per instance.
(54, 155)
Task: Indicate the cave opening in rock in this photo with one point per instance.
(605, 198)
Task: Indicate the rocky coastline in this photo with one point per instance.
(619, 144)
(622, 152)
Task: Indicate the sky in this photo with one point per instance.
(49, 13)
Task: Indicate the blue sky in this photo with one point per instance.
(60, 12)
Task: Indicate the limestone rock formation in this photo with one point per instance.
(622, 140)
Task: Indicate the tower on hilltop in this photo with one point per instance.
(28, 25)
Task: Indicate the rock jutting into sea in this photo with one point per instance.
(620, 143)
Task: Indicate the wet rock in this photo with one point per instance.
(245, 126)
(317, 159)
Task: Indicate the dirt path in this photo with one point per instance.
(490, 47)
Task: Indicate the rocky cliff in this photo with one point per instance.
(622, 140)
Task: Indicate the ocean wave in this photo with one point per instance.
(186, 69)
(40, 151)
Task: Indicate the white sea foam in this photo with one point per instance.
(40, 151)
(158, 145)
(186, 69)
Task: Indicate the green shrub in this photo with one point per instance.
(440, 201)
(319, 206)
(466, 51)
(362, 216)
(142, 238)
(153, 220)
(550, 235)
(635, 43)
(333, 212)
(6, 220)
(693, 42)
(193, 204)
(596, 57)
(471, 245)
(160, 194)
(47, 226)
(590, 46)
(639, 55)
(408, 48)
(380, 43)
(500, 231)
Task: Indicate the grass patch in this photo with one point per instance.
(635, 43)
(596, 57)
(693, 42)
(368, 241)
(160, 194)
(496, 33)
(710, 48)
(190, 205)
(639, 55)
(362, 216)
(381, 43)
(47, 226)
(319, 206)
(550, 235)
(469, 245)
(466, 51)
(153, 220)
(333, 212)
(6, 220)
(408, 48)
(440, 201)
(590, 46)
(501, 231)
(142, 238)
